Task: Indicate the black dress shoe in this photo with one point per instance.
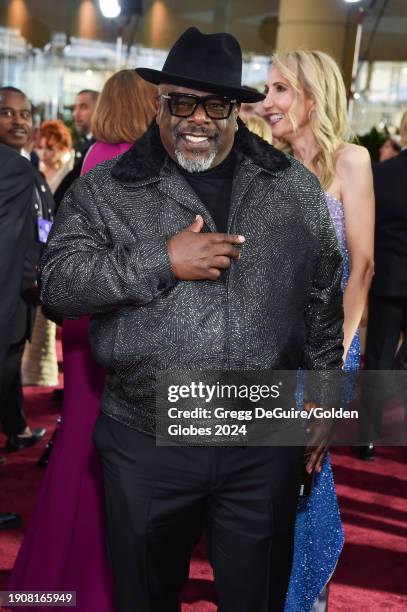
(46, 455)
(9, 520)
(17, 443)
(366, 453)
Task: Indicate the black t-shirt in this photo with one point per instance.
(214, 188)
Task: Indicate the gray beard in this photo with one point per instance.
(197, 164)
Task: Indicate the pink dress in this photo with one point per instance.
(101, 151)
(64, 545)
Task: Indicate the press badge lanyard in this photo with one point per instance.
(44, 221)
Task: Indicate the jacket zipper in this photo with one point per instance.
(229, 227)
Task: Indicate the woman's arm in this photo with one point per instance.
(353, 169)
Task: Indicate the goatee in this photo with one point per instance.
(195, 164)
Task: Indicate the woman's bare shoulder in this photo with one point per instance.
(351, 156)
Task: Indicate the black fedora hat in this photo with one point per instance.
(208, 62)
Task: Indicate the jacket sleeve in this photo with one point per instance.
(324, 311)
(16, 187)
(85, 272)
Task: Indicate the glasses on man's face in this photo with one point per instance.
(184, 105)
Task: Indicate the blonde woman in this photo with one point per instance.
(306, 108)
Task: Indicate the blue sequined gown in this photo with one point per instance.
(319, 533)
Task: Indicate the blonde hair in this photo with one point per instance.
(124, 108)
(259, 126)
(319, 76)
(403, 130)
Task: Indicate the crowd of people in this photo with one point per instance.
(176, 236)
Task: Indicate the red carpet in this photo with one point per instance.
(372, 571)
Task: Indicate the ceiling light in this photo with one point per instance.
(110, 8)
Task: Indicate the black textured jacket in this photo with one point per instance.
(279, 306)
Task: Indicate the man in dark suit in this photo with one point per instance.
(83, 109)
(16, 185)
(15, 131)
(388, 294)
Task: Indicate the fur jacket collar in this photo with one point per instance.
(146, 157)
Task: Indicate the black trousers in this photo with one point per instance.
(160, 499)
(387, 320)
(12, 415)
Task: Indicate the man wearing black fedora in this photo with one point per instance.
(201, 248)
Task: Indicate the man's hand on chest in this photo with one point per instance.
(196, 256)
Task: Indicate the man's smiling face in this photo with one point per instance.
(15, 119)
(198, 142)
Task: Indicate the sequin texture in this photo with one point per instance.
(319, 535)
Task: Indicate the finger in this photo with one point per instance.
(319, 435)
(314, 458)
(196, 226)
(220, 262)
(229, 238)
(214, 274)
(320, 462)
(226, 249)
(308, 453)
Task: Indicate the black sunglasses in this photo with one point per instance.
(184, 105)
